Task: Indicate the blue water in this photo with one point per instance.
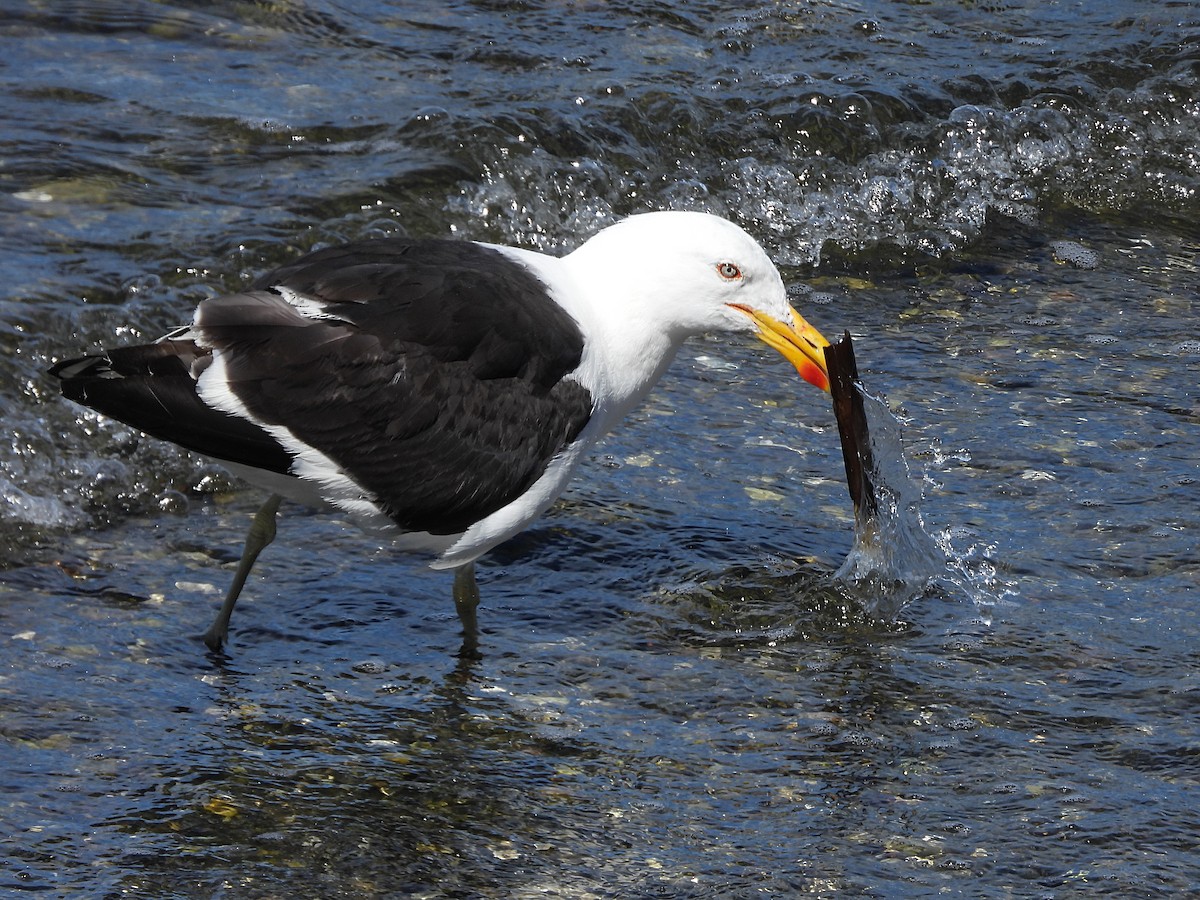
(677, 695)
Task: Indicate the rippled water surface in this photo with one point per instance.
(677, 696)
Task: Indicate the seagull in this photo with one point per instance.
(439, 392)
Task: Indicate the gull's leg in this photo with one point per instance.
(262, 532)
(466, 601)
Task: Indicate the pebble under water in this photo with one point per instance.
(678, 695)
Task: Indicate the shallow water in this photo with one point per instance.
(676, 695)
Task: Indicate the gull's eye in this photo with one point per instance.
(729, 271)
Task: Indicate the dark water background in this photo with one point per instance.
(676, 699)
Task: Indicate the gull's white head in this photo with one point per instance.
(689, 273)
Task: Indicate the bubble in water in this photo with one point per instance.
(173, 502)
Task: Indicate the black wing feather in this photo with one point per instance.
(153, 388)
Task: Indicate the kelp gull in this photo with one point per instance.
(439, 391)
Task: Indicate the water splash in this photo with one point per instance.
(894, 560)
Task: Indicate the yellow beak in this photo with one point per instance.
(802, 346)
